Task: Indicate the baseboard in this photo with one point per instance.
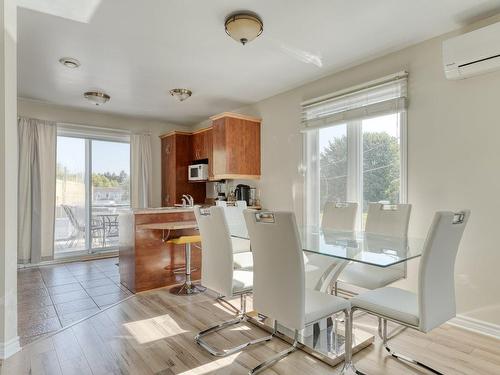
(476, 325)
(9, 348)
(70, 259)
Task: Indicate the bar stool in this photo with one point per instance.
(188, 287)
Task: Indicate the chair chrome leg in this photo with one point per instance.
(400, 356)
(394, 332)
(349, 368)
(278, 357)
(225, 352)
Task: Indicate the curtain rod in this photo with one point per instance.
(352, 89)
(115, 130)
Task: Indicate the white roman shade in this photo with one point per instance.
(376, 98)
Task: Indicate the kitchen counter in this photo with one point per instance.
(147, 261)
(159, 210)
(142, 211)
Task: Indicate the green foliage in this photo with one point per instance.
(107, 179)
(381, 169)
(100, 180)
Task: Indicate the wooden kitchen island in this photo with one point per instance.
(146, 260)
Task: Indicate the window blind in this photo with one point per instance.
(377, 98)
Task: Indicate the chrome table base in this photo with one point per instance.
(326, 344)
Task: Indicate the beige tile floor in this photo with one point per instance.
(52, 297)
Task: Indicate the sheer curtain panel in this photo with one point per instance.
(37, 187)
(141, 170)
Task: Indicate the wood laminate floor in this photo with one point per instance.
(152, 333)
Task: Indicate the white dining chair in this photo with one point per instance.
(279, 284)
(241, 244)
(390, 220)
(339, 216)
(434, 304)
(218, 274)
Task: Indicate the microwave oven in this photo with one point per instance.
(198, 172)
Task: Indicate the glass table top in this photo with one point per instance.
(362, 247)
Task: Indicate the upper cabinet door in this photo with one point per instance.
(236, 147)
(201, 144)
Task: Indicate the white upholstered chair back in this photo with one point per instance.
(278, 267)
(235, 219)
(339, 216)
(388, 219)
(436, 293)
(217, 251)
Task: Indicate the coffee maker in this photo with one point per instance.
(242, 193)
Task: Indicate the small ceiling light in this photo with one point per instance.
(181, 94)
(243, 26)
(69, 62)
(97, 97)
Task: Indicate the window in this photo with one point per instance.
(355, 148)
(92, 187)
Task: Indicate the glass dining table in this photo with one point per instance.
(326, 254)
(368, 248)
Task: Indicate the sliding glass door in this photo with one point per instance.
(92, 187)
(110, 190)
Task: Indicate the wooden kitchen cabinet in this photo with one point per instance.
(176, 149)
(236, 146)
(231, 146)
(202, 144)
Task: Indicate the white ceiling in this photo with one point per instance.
(137, 51)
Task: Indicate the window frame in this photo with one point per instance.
(310, 159)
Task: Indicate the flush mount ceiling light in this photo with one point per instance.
(69, 62)
(97, 97)
(181, 94)
(243, 26)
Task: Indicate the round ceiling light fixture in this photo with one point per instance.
(69, 62)
(97, 97)
(181, 94)
(243, 26)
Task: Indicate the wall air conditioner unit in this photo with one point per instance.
(473, 53)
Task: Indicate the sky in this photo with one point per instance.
(106, 156)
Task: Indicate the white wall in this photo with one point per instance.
(453, 158)
(9, 341)
(36, 109)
